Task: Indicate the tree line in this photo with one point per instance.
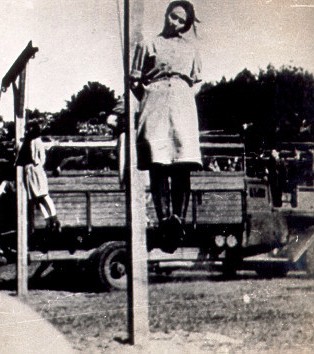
(90, 105)
(270, 107)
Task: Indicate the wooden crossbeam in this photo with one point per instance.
(18, 66)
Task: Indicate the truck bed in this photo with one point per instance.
(98, 201)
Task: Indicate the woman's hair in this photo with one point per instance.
(190, 13)
(33, 129)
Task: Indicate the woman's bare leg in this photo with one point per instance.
(44, 211)
(51, 205)
(47, 206)
(48, 210)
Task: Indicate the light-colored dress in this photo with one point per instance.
(168, 131)
(35, 175)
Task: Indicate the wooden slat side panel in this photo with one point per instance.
(220, 207)
(84, 183)
(80, 187)
(71, 210)
(199, 180)
(108, 209)
(218, 182)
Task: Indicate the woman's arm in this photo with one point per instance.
(136, 75)
(196, 73)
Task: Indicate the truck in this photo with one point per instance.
(231, 223)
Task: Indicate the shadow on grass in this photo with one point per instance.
(73, 279)
(189, 277)
(46, 277)
(203, 276)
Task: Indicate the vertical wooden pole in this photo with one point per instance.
(18, 70)
(311, 151)
(138, 326)
(21, 199)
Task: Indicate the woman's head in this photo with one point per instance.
(179, 17)
(33, 130)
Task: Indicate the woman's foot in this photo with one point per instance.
(172, 233)
(53, 225)
(56, 226)
(53, 228)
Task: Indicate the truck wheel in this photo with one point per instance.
(309, 260)
(111, 265)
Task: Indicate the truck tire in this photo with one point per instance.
(309, 260)
(110, 263)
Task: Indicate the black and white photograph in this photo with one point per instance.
(156, 176)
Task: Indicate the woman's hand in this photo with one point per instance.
(137, 89)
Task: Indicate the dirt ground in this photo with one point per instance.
(189, 312)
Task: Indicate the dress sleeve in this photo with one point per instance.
(141, 63)
(196, 67)
(138, 61)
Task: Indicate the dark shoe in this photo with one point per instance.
(49, 222)
(53, 225)
(53, 229)
(167, 244)
(56, 227)
(72, 244)
(172, 234)
(45, 244)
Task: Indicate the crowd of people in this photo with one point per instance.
(284, 171)
(230, 164)
(87, 128)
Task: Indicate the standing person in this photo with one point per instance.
(164, 72)
(293, 177)
(277, 175)
(32, 157)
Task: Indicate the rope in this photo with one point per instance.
(120, 27)
(26, 104)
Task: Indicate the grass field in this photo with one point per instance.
(188, 313)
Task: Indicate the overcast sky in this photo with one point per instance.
(79, 41)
